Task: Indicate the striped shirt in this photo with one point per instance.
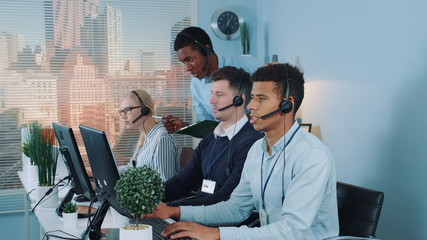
(159, 152)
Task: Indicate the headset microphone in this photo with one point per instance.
(136, 119)
(285, 105)
(144, 109)
(270, 114)
(237, 100)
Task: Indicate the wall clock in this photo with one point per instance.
(225, 23)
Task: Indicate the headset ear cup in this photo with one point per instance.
(145, 110)
(238, 101)
(206, 51)
(286, 106)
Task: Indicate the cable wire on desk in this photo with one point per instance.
(49, 234)
(50, 191)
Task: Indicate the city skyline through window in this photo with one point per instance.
(71, 61)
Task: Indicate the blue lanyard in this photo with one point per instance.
(211, 161)
(269, 175)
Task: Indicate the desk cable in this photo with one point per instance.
(28, 194)
(49, 234)
(50, 191)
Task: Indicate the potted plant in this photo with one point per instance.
(246, 45)
(139, 191)
(29, 166)
(43, 153)
(69, 215)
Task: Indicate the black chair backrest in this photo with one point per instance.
(358, 210)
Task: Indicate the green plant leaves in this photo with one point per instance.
(69, 207)
(42, 153)
(139, 190)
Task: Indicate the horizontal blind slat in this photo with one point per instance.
(71, 61)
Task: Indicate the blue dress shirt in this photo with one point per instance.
(300, 197)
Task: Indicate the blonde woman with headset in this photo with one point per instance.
(155, 148)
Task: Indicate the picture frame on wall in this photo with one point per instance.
(306, 126)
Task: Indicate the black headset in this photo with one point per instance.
(144, 109)
(237, 100)
(204, 50)
(285, 105)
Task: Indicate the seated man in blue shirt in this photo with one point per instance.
(216, 165)
(289, 175)
(194, 48)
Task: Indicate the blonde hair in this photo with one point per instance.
(148, 102)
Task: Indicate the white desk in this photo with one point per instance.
(49, 220)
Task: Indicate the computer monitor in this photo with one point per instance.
(81, 184)
(104, 170)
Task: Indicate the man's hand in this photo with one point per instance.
(191, 230)
(173, 124)
(163, 211)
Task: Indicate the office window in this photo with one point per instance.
(71, 61)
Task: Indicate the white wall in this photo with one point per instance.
(365, 64)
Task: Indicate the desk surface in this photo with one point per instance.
(51, 222)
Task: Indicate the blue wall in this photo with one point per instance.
(365, 63)
(247, 8)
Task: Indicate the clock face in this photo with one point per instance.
(228, 22)
(225, 23)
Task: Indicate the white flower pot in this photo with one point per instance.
(70, 220)
(51, 200)
(132, 234)
(32, 175)
(118, 219)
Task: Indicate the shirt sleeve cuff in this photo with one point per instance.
(185, 213)
(228, 233)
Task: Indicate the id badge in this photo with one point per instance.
(208, 186)
(263, 217)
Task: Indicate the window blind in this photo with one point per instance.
(71, 61)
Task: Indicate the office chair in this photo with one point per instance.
(185, 157)
(358, 212)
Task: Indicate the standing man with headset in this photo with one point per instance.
(289, 175)
(216, 165)
(194, 48)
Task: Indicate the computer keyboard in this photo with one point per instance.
(158, 226)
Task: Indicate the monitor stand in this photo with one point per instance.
(81, 198)
(94, 228)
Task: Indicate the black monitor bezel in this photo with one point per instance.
(103, 164)
(66, 139)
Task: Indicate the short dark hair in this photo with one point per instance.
(187, 36)
(238, 79)
(280, 73)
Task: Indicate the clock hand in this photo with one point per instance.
(229, 20)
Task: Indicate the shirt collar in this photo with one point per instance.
(151, 132)
(279, 144)
(232, 130)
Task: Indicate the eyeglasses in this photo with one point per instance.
(127, 110)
